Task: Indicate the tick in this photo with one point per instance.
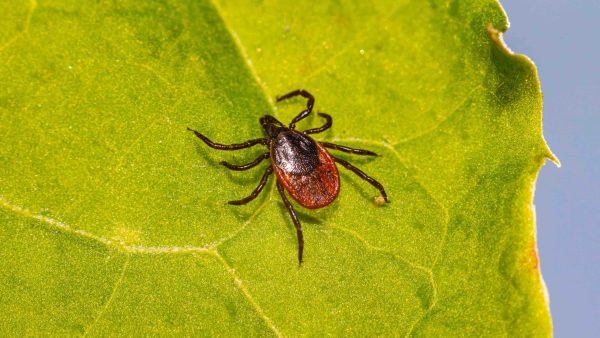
(303, 167)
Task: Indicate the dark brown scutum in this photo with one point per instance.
(294, 153)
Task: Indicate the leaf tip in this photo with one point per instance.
(550, 155)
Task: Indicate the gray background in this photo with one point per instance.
(563, 38)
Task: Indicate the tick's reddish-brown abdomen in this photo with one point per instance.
(316, 189)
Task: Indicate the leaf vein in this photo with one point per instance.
(239, 283)
(443, 120)
(110, 298)
(152, 71)
(55, 224)
(11, 41)
(372, 247)
(393, 150)
(429, 271)
(434, 300)
(244, 54)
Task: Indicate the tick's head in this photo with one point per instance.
(272, 125)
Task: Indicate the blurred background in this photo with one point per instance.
(562, 38)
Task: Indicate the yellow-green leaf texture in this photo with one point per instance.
(114, 218)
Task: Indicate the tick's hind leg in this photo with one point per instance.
(247, 165)
(309, 104)
(348, 149)
(256, 191)
(236, 146)
(290, 208)
(327, 125)
(364, 176)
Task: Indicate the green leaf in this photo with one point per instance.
(114, 218)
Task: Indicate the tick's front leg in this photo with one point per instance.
(235, 146)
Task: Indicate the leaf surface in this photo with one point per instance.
(114, 218)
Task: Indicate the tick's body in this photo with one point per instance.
(305, 169)
(303, 166)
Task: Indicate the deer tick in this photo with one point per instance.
(303, 166)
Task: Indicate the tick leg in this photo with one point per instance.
(290, 208)
(256, 191)
(309, 104)
(364, 176)
(348, 149)
(247, 165)
(236, 146)
(326, 126)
